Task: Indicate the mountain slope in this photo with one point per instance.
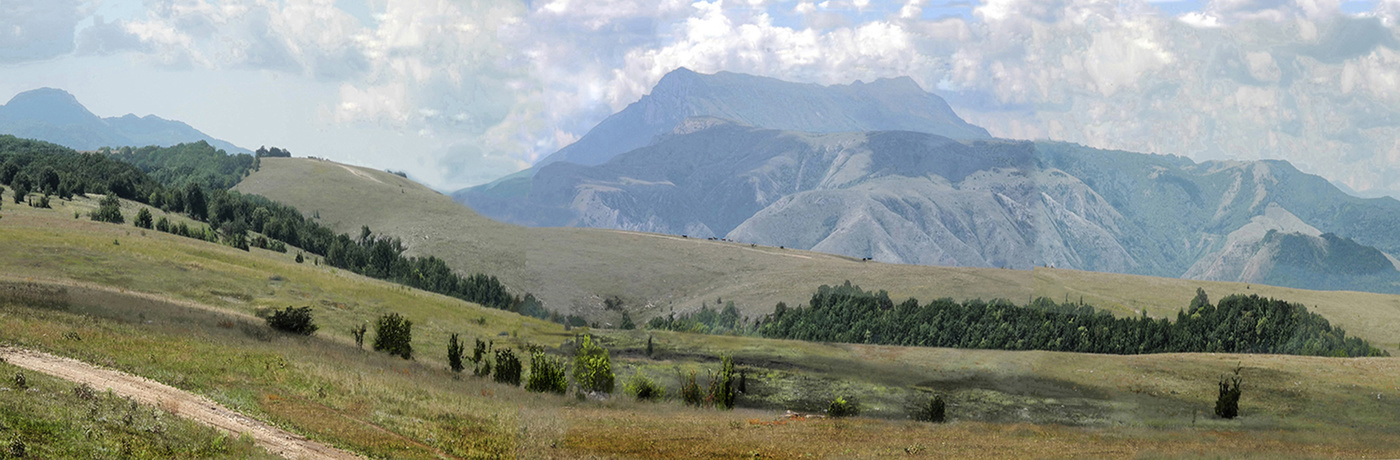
(56, 116)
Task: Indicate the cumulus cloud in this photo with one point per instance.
(32, 30)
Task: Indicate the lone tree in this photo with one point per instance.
(109, 210)
(394, 334)
(454, 354)
(507, 367)
(723, 387)
(932, 410)
(1227, 405)
(294, 320)
(593, 367)
(143, 219)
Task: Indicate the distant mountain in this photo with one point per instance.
(54, 115)
(917, 197)
(895, 104)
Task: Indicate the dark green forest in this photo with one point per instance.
(182, 164)
(1237, 324)
(176, 182)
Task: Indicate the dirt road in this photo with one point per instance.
(179, 402)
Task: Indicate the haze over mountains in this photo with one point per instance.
(887, 171)
(54, 115)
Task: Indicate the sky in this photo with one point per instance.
(460, 92)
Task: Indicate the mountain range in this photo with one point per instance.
(887, 171)
(54, 115)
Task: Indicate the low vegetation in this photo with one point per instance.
(593, 367)
(294, 320)
(547, 374)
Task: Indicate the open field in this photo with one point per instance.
(179, 311)
(573, 269)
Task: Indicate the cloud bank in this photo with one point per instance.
(487, 87)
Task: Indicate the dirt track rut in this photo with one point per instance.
(180, 402)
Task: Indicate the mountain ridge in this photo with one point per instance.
(55, 115)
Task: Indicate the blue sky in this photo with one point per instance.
(459, 92)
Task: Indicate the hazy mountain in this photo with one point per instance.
(921, 198)
(56, 116)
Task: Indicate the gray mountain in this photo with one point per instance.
(56, 116)
(896, 104)
(921, 198)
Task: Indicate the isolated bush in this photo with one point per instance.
(650, 349)
(483, 365)
(17, 448)
(547, 374)
(627, 323)
(1227, 404)
(359, 333)
(507, 367)
(931, 410)
(593, 367)
(643, 388)
(690, 391)
(163, 225)
(143, 219)
(454, 354)
(723, 386)
(840, 407)
(299, 258)
(20, 381)
(109, 210)
(296, 320)
(394, 334)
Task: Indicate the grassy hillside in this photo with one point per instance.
(179, 311)
(574, 269)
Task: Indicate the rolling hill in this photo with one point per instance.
(56, 116)
(574, 269)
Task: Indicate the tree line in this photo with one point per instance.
(49, 169)
(1237, 324)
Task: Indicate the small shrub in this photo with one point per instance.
(109, 210)
(1227, 404)
(163, 225)
(840, 407)
(359, 333)
(690, 391)
(643, 388)
(295, 320)
(143, 219)
(547, 374)
(722, 386)
(17, 448)
(650, 349)
(394, 334)
(593, 367)
(507, 367)
(299, 258)
(85, 392)
(20, 381)
(931, 410)
(454, 354)
(627, 323)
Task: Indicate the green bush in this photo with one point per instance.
(163, 225)
(547, 374)
(507, 367)
(1227, 404)
(293, 320)
(690, 391)
(593, 367)
(359, 333)
(143, 219)
(454, 354)
(840, 407)
(394, 334)
(722, 386)
(643, 388)
(931, 410)
(109, 210)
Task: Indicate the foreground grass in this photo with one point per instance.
(53, 418)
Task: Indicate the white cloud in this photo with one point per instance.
(1201, 20)
(32, 30)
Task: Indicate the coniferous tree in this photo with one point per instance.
(1227, 403)
(143, 219)
(394, 334)
(454, 354)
